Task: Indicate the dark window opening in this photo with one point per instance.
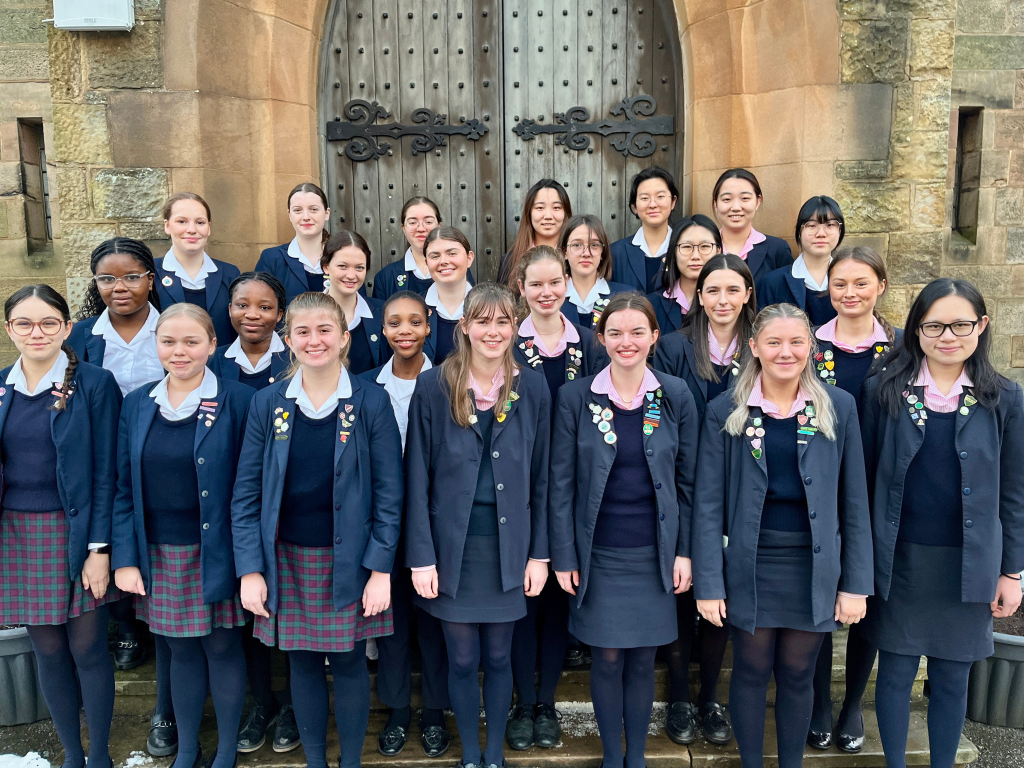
(967, 174)
(35, 184)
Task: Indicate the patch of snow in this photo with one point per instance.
(137, 759)
(31, 760)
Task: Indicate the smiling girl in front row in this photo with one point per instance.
(943, 436)
(58, 437)
(316, 515)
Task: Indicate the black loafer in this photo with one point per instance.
(286, 732)
(847, 741)
(819, 740)
(681, 722)
(128, 652)
(519, 731)
(435, 740)
(253, 733)
(547, 732)
(163, 735)
(574, 657)
(392, 740)
(715, 724)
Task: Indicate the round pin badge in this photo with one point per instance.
(605, 426)
(167, 282)
(759, 431)
(750, 431)
(648, 429)
(606, 414)
(964, 410)
(373, 337)
(610, 438)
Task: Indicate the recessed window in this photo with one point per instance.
(34, 184)
(967, 173)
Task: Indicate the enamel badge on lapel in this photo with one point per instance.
(401, 280)
(599, 306)
(736, 363)
(880, 349)
(167, 282)
(574, 361)
(969, 400)
(917, 411)
(755, 433)
(826, 366)
(807, 423)
(652, 416)
(507, 407)
(603, 419)
(280, 424)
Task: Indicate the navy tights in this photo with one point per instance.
(469, 646)
(164, 705)
(351, 702)
(220, 652)
(545, 625)
(59, 650)
(622, 687)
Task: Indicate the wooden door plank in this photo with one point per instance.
(411, 70)
(540, 93)
(639, 66)
(461, 107)
(390, 91)
(590, 75)
(663, 88)
(435, 46)
(613, 190)
(516, 56)
(335, 90)
(565, 88)
(489, 242)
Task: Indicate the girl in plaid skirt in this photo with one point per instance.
(316, 515)
(178, 445)
(57, 450)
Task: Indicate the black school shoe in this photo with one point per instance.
(163, 735)
(253, 732)
(519, 731)
(391, 740)
(435, 739)
(546, 730)
(819, 740)
(845, 738)
(574, 657)
(716, 727)
(129, 653)
(209, 763)
(286, 732)
(681, 722)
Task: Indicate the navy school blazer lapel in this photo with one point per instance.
(756, 256)
(58, 428)
(803, 441)
(375, 338)
(428, 345)
(635, 256)
(909, 432)
(230, 370)
(499, 411)
(169, 282)
(754, 444)
(572, 314)
(6, 394)
(798, 288)
(348, 412)
(147, 412)
(965, 409)
(284, 410)
(214, 284)
(691, 361)
(602, 401)
(293, 264)
(95, 348)
(207, 414)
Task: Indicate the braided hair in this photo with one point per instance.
(138, 250)
(57, 302)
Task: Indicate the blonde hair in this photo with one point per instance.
(536, 255)
(192, 312)
(484, 300)
(314, 302)
(823, 409)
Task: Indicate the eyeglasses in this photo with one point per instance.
(22, 326)
(130, 281)
(813, 226)
(704, 249)
(428, 223)
(662, 198)
(578, 249)
(959, 328)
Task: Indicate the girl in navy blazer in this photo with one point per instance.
(178, 443)
(693, 241)
(449, 258)
(545, 210)
(638, 260)
(943, 436)
(297, 264)
(589, 288)
(316, 515)
(781, 474)
(186, 273)
(820, 228)
(548, 343)
(849, 346)
(476, 512)
(58, 434)
(405, 327)
(735, 200)
(622, 552)
(346, 260)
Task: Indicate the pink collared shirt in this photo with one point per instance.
(569, 336)
(753, 239)
(677, 295)
(757, 399)
(827, 332)
(602, 385)
(934, 400)
(486, 400)
(717, 356)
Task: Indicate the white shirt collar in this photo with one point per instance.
(298, 394)
(196, 283)
(296, 253)
(104, 328)
(587, 305)
(235, 353)
(432, 299)
(801, 272)
(641, 242)
(53, 376)
(207, 388)
(412, 266)
(362, 310)
(386, 374)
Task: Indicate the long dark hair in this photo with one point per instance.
(695, 324)
(138, 250)
(903, 363)
(57, 302)
(343, 238)
(524, 236)
(670, 275)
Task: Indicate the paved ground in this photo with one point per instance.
(997, 747)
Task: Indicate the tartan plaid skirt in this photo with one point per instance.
(306, 619)
(174, 606)
(34, 584)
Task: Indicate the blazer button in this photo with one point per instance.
(501, 520)
(73, 512)
(206, 526)
(657, 486)
(501, 486)
(968, 523)
(337, 540)
(967, 491)
(813, 515)
(807, 481)
(662, 517)
(200, 460)
(337, 507)
(963, 454)
(338, 473)
(817, 548)
(204, 494)
(650, 452)
(495, 455)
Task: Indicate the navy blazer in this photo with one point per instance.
(367, 490)
(85, 434)
(667, 311)
(89, 347)
(380, 352)
(442, 465)
(990, 443)
(581, 461)
(593, 353)
(573, 315)
(780, 287)
(767, 256)
(216, 456)
(394, 277)
(228, 369)
(289, 271)
(217, 299)
(731, 487)
(675, 356)
(629, 266)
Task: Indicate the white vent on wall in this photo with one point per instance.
(95, 15)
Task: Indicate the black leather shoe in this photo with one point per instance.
(286, 732)
(213, 759)
(715, 724)
(519, 731)
(392, 740)
(846, 740)
(681, 722)
(253, 732)
(435, 740)
(128, 652)
(546, 730)
(574, 657)
(819, 740)
(163, 735)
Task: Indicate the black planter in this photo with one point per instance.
(995, 695)
(21, 700)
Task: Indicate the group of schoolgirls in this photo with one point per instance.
(647, 445)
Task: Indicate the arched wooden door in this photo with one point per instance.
(470, 103)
